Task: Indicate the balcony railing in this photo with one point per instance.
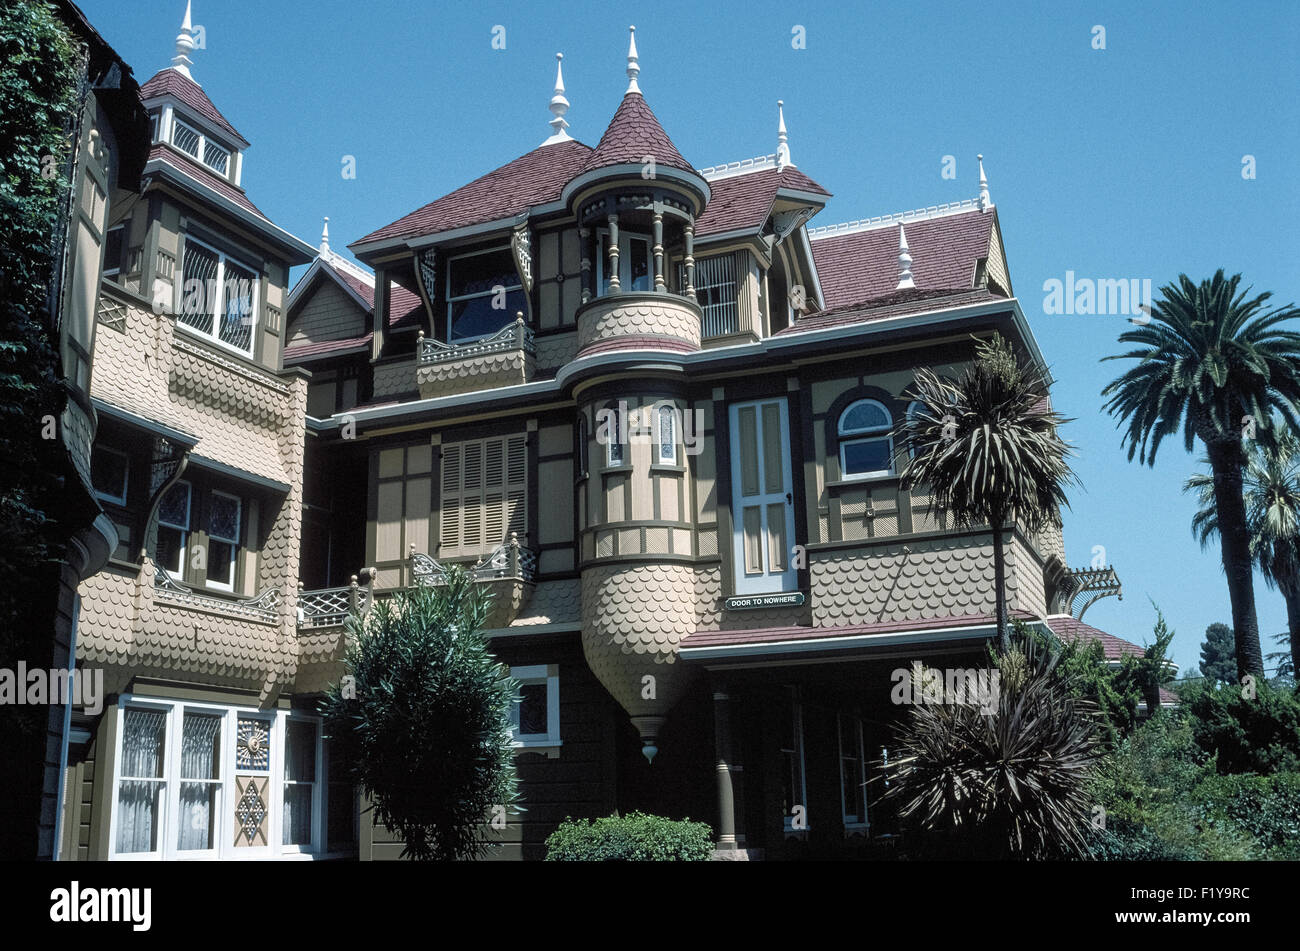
(260, 607)
(510, 560)
(326, 607)
(514, 336)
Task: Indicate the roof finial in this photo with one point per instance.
(632, 67)
(905, 281)
(325, 237)
(985, 202)
(181, 62)
(782, 140)
(559, 106)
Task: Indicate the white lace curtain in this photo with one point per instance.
(141, 788)
(200, 759)
(299, 778)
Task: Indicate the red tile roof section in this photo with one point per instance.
(532, 179)
(779, 635)
(303, 351)
(743, 202)
(1072, 629)
(863, 265)
(170, 82)
(899, 304)
(201, 173)
(634, 133)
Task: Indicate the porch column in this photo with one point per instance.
(586, 264)
(689, 262)
(659, 252)
(722, 741)
(614, 286)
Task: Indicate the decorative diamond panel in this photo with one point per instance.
(250, 813)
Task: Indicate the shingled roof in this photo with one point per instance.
(897, 304)
(171, 82)
(201, 173)
(534, 178)
(743, 202)
(860, 263)
(632, 134)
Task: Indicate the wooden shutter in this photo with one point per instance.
(484, 494)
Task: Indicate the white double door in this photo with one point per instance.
(762, 506)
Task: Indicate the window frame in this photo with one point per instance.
(126, 476)
(797, 758)
(318, 797)
(236, 544)
(865, 435)
(531, 674)
(201, 149)
(620, 424)
(852, 822)
(582, 449)
(178, 573)
(451, 301)
(114, 269)
(254, 305)
(625, 239)
(671, 415)
(716, 312)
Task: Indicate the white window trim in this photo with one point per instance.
(870, 434)
(179, 571)
(201, 158)
(126, 477)
(660, 458)
(215, 336)
(548, 742)
(624, 260)
(851, 821)
(615, 442)
(318, 819)
(477, 294)
(234, 543)
(226, 850)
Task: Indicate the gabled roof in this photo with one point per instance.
(169, 82)
(858, 261)
(743, 202)
(535, 178)
(633, 134)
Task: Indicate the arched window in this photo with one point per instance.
(866, 448)
(666, 436)
(613, 423)
(914, 407)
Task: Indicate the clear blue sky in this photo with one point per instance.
(1122, 163)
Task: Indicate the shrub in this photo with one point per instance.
(1255, 735)
(1265, 807)
(635, 837)
(426, 720)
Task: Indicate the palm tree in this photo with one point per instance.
(1214, 362)
(1271, 489)
(988, 449)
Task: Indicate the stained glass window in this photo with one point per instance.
(174, 527)
(253, 744)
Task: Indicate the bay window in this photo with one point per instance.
(201, 534)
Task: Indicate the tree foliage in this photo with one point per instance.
(426, 719)
(1219, 654)
(635, 837)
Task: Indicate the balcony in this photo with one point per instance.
(329, 607)
(645, 320)
(506, 358)
(261, 608)
(509, 571)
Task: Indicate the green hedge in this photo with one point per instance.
(635, 837)
(1266, 807)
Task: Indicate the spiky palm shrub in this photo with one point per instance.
(1271, 491)
(1007, 784)
(1212, 362)
(988, 450)
(425, 720)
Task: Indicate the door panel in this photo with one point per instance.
(761, 506)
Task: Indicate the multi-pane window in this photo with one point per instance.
(853, 772)
(666, 436)
(223, 539)
(219, 296)
(198, 145)
(484, 494)
(299, 782)
(109, 474)
(215, 157)
(794, 792)
(715, 291)
(866, 447)
(199, 812)
(185, 138)
(174, 528)
(535, 720)
(484, 294)
(141, 787)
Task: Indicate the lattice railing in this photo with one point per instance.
(515, 336)
(111, 313)
(509, 560)
(260, 607)
(325, 607)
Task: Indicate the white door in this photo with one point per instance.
(762, 506)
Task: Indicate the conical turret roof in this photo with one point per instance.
(633, 134)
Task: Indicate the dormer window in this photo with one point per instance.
(483, 294)
(198, 146)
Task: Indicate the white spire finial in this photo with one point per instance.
(633, 68)
(181, 62)
(559, 106)
(325, 237)
(985, 202)
(782, 140)
(905, 281)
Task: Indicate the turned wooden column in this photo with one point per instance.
(690, 259)
(585, 248)
(614, 286)
(659, 251)
(722, 743)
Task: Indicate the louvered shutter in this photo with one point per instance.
(484, 494)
